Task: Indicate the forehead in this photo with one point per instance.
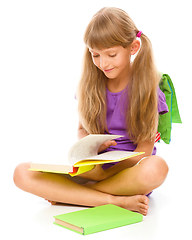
(116, 48)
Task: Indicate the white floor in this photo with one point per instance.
(29, 217)
(38, 60)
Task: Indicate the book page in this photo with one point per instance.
(113, 156)
(88, 147)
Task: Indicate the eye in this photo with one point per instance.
(95, 56)
(114, 55)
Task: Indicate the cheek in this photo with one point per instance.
(96, 62)
(119, 61)
(122, 62)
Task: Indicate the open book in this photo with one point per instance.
(83, 156)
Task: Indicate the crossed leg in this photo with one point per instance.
(126, 189)
(149, 174)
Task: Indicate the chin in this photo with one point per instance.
(110, 75)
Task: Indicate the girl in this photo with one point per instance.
(115, 96)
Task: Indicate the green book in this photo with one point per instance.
(97, 219)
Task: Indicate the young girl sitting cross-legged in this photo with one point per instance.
(115, 96)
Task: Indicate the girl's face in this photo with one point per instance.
(114, 62)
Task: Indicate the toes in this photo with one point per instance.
(144, 209)
(143, 205)
(146, 200)
(143, 199)
(144, 212)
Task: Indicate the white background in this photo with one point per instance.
(41, 50)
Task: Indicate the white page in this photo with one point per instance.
(113, 155)
(88, 147)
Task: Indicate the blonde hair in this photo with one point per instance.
(108, 28)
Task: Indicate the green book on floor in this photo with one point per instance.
(97, 219)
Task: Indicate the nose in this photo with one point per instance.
(103, 63)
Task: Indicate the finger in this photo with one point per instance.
(113, 143)
(106, 145)
(110, 143)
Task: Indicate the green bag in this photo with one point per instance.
(173, 116)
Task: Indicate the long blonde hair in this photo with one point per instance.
(108, 28)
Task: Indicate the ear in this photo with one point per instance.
(135, 47)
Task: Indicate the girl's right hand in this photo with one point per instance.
(106, 145)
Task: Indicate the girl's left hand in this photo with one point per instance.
(106, 145)
(96, 174)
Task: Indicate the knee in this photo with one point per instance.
(155, 170)
(159, 167)
(20, 175)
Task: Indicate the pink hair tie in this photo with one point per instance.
(139, 34)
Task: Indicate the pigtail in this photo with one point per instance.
(142, 114)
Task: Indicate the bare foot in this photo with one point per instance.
(137, 203)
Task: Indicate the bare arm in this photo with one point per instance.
(81, 132)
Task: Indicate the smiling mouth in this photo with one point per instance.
(108, 70)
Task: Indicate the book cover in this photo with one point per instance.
(97, 219)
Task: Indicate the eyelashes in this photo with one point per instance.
(96, 56)
(114, 55)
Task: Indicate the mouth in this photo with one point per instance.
(108, 70)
